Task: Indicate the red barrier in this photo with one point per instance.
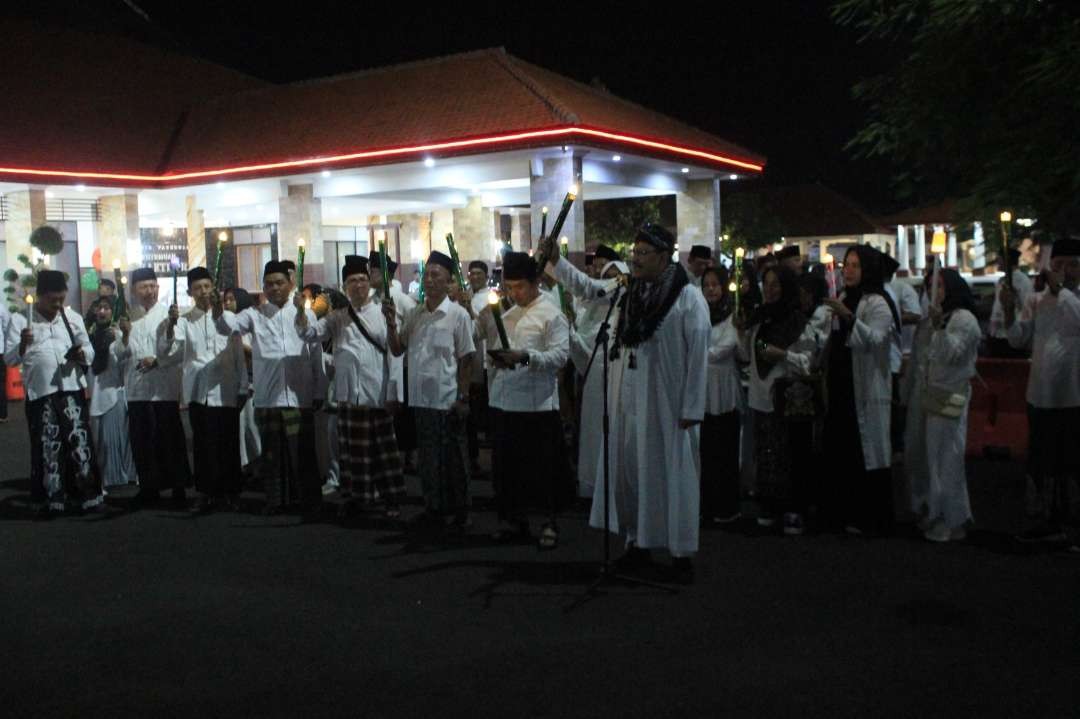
(997, 418)
(14, 384)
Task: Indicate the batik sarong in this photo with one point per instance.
(62, 451)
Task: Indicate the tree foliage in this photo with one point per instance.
(983, 103)
(748, 222)
(615, 222)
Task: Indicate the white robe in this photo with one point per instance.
(870, 341)
(654, 465)
(582, 342)
(934, 446)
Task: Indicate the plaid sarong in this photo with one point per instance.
(369, 460)
(289, 467)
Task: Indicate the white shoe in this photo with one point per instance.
(937, 533)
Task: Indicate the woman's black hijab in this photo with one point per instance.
(872, 283)
(243, 298)
(752, 297)
(101, 337)
(957, 293)
(721, 310)
(781, 321)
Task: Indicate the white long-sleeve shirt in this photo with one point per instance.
(45, 371)
(363, 376)
(542, 330)
(162, 383)
(288, 372)
(214, 371)
(436, 342)
(1024, 288)
(1051, 325)
(722, 387)
(107, 388)
(797, 362)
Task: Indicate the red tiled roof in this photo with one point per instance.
(165, 117)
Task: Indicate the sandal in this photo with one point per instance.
(549, 537)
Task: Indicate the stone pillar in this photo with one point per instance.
(196, 234)
(414, 234)
(697, 216)
(902, 253)
(119, 224)
(520, 235)
(474, 229)
(26, 212)
(920, 249)
(950, 251)
(548, 190)
(978, 262)
(300, 215)
(442, 221)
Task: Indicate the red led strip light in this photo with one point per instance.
(378, 154)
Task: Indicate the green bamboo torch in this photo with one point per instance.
(120, 308)
(221, 238)
(456, 260)
(385, 261)
(496, 313)
(300, 263)
(423, 273)
(571, 195)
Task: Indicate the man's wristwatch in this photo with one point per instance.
(525, 362)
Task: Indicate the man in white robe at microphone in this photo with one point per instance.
(593, 303)
(656, 387)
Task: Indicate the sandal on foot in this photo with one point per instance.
(549, 537)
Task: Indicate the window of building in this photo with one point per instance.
(338, 242)
(253, 250)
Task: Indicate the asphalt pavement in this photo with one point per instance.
(160, 613)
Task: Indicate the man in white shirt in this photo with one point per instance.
(289, 381)
(367, 384)
(214, 387)
(152, 388)
(1050, 324)
(530, 465)
(55, 351)
(404, 422)
(907, 304)
(998, 340)
(700, 259)
(478, 395)
(592, 311)
(438, 337)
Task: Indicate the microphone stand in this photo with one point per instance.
(608, 575)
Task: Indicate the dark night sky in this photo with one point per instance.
(772, 75)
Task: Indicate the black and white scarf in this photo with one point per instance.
(645, 306)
